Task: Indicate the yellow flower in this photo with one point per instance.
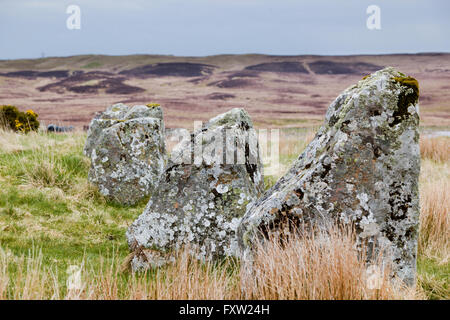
(19, 125)
(32, 113)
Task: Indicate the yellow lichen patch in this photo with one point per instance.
(409, 82)
(153, 105)
(366, 76)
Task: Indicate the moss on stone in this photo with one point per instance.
(409, 82)
(406, 98)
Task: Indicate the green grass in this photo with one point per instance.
(46, 203)
(434, 278)
(92, 65)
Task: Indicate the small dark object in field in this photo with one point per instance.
(55, 128)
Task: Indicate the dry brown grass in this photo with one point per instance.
(294, 143)
(9, 141)
(291, 145)
(31, 279)
(12, 142)
(437, 149)
(434, 239)
(4, 276)
(321, 266)
(187, 278)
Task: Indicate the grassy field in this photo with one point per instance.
(52, 219)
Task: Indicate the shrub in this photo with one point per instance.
(8, 115)
(16, 120)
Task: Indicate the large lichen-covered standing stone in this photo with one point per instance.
(211, 178)
(127, 153)
(115, 114)
(362, 168)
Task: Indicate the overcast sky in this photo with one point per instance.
(33, 28)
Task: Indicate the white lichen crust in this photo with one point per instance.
(127, 151)
(362, 168)
(198, 204)
(115, 114)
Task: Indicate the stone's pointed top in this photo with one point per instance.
(141, 111)
(120, 111)
(116, 111)
(117, 107)
(234, 117)
(384, 95)
(391, 75)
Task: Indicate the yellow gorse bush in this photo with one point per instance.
(19, 126)
(13, 119)
(32, 113)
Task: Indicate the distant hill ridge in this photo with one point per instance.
(277, 91)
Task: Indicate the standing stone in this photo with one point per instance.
(362, 168)
(211, 178)
(127, 151)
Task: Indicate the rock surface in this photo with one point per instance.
(115, 114)
(127, 151)
(200, 203)
(362, 167)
